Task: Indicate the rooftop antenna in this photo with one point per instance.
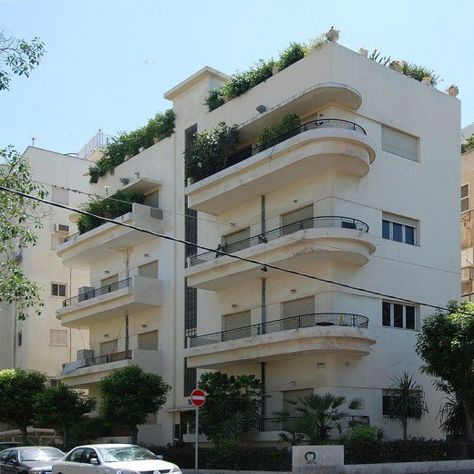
(33, 139)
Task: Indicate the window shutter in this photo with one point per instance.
(237, 324)
(399, 143)
(233, 242)
(149, 270)
(297, 308)
(291, 222)
(148, 341)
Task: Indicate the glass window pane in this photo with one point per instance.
(464, 190)
(386, 314)
(397, 232)
(409, 235)
(385, 229)
(398, 315)
(410, 317)
(464, 204)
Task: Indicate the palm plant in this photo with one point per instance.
(452, 417)
(320, 414)
(407, 401)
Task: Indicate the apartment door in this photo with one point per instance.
(302, 307)
(236, 325)
(297, 220)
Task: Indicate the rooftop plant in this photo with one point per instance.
(241, 82)
(468, 145)
(111, 208)
(210, 151)
(286, 128)
(129, 143)
(408, 69)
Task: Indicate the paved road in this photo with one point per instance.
(464, 471)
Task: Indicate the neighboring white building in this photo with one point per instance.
(41, 342)
(379, 159)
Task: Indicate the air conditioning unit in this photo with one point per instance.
(86, 293)
(61, 228)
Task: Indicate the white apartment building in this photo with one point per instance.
(365, 194)
(41, 342)
(128, 304)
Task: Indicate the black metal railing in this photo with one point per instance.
(311, 223)
(293, 322)
(107, 358)
(95, 292)
(312, 125)
(290, 423)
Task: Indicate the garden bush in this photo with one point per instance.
(115, 206)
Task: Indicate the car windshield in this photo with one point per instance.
(126, 453)
(40, 454)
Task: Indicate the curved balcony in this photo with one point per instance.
(332, 144)
(326, 237)
(306, 333)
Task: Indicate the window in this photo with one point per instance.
(190, 310)
(109, 284)
(60, 195)
(76, 455)
(467, 257)
(399, 229)
(297, 220)
(148, 340)
(289, 399)
(398, 315)
(464, 197)
(190, 379)
(149, 270)
(389, 396)
(399, 143)
(57, 337)
(108, 347)
(19, 338)
(237, 240)
(58, 289)
(236, 325)
(301, 306)
(190, 228)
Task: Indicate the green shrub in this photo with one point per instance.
(214, 99)
(365, 433)
(278, 132)
(468, 145)
(111, 208)
(420, 72)
(159, 127)
(293, 53)
(210, 151)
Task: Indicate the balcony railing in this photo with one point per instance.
(293, 322)
(92, 361)
(95, 292)
(311, 223)
(290, 423)
(313, 125)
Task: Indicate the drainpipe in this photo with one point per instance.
(263, 228)
(126, 331)
(263, 315)
(127, 276)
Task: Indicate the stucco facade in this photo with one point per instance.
(41, 342)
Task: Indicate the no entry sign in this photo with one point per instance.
(198, 397)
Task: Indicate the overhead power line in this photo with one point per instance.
(264, 266)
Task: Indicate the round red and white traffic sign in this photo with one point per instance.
(198, 397)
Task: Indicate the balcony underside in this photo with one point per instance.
(291, 252)
(142, 294)
(281, 345)
(345, 151)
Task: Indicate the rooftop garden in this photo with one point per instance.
(128, 144)
(111, 208)
(215, 149)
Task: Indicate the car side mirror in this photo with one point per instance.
(94, 461)
(159, 456)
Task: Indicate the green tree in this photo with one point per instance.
(446, 345)
(468, 145)
(232, 406)
(129, 394)
(452, 417)
(319, 415)
(18, 57)
(407, 401)
(19, 219)
(61, 407)
(18, 392)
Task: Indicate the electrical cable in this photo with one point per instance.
(264, 266)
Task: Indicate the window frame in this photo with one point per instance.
(404, 223)
(465, 198)
(404, 306)
(58, 284)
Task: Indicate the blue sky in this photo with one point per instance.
(109, 62)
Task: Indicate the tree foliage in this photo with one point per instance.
(18, 57)
(18, 392)
(468, 145)
(61, 407)
(129, 394)
(446, 345)
(232, 405)
(19, 219)
(319, 415)
(407, 401)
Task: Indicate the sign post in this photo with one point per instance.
(198, 398)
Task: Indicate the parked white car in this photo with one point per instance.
(113, 459)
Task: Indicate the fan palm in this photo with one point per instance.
(407, 401)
